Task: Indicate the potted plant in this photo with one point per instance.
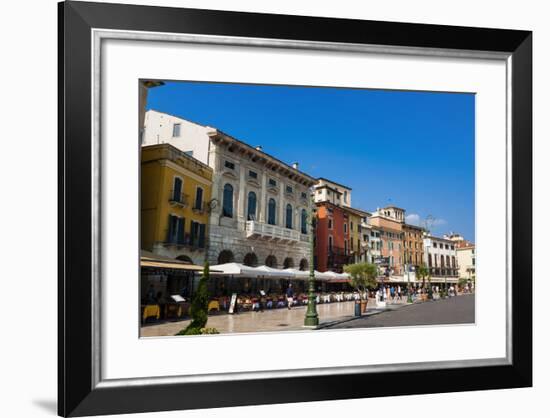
(199, 306)
(423, 273)
(363, 278)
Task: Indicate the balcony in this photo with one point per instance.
(178, 199)
(256, 229)
(200, 208)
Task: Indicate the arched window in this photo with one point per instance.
(288, 263)
(251, 212)
(228, 200)
(304, 221)
(250, 259)
(304, 264)
(271, 209)
(271, 261)
(225, 256)
(289, 216)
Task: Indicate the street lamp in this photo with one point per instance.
(312, 317)
(408, 267)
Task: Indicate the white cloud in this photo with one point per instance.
(413, 219)
(439, 222)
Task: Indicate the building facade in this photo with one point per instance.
(413, 245)
(260, 206)
(175, 191)
(372, 242)
(441, 258)
(389, 224)
(332, 238)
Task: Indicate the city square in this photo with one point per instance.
(234, 239)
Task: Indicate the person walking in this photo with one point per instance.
(290, 296)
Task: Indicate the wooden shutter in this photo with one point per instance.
(202, 231)
(170, 228)
(181, 231)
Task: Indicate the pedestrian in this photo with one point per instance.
(262, 300)
(150, 295)
(289, 296)
(399, 298)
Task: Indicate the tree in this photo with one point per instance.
(199, 306)
(363, 276)
(423, 273)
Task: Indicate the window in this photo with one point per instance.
(271, 208)
(176, 130)
(227, 201)
(197, 237)
(345, 228)
(229, 165)
(252, 174)
(345, 196)
(329, 223)
(289, 216)
(304, 195)
(446, 246)
(289, 189)
(452, 247)
(251, 211)
(345, 247)
(176, 227)
(330, 243)
(198, 198)
(351, 227)
(304, 221)
(176, 193)
(272, 182)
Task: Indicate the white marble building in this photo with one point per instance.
(260, 205)
(441, 258)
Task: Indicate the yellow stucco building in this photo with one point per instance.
(175, 197)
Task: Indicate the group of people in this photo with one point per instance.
(396, 293)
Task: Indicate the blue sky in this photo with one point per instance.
(411, 149)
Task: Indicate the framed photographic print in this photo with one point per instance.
(265, 208)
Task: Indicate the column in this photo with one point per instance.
(262, 204)
(241, 195)
(281, 205)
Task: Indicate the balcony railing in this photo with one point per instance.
(199, 208)
(178, 199)
(256, 229)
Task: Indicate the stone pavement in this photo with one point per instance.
(455, 310)
(270, 320)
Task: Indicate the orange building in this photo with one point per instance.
(389, 221)
(332, 238)
(413, 244)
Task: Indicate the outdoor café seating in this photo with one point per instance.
(150, 311)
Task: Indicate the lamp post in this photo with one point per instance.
(312, 317)
(408, 267)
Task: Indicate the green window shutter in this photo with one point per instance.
(170, 228)
(202, 231)
(192, 233)
(181, 230)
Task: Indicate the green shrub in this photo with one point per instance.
(199, 306)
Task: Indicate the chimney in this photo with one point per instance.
(295, 166)
(258, 147)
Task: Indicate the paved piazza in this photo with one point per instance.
(269, 320)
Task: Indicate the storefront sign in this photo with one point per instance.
(232, 303)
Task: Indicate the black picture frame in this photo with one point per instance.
(77, 393)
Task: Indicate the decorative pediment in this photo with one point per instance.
(229, 174)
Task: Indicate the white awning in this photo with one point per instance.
(266, 272)
(298, 274)
(234, 269)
